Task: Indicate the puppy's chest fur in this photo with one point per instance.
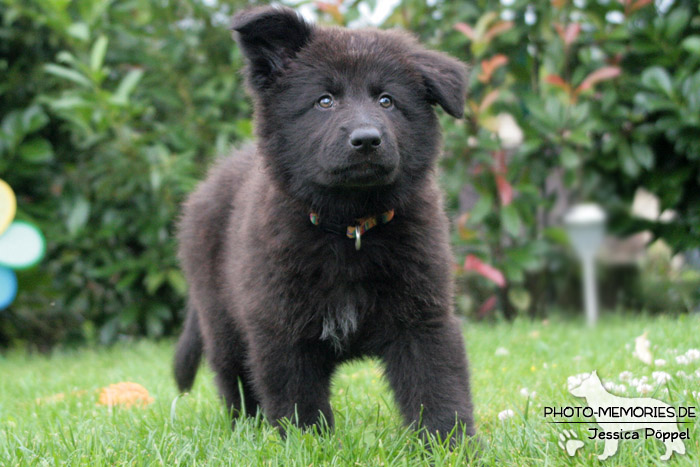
(345, 308)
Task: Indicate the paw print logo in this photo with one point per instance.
(569, 442)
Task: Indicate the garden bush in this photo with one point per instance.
(607, 97)
(110, 110)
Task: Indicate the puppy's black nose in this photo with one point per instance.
(365, 138)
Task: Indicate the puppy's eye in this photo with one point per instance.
(386, 101)
(325, 102)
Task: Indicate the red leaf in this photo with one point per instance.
(465, 29)
(639, 4)
(559, 82)
(601, 74)
(491, 65)
(496, 29)
(332, 9)
(568, 34)
(558, 3)
(472, 263)
(487, 306)
(488, 99)
(505, 190)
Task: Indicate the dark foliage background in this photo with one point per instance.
(110, 111)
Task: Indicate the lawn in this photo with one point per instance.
(49, 412)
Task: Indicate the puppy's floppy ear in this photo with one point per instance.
(445, 79)
(270, 37)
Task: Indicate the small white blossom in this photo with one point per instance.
(610, 386)
(525, 392)
(682, 360)
(505, 414)
(693, 354)
(625, 376)
(576, 380)
(644, 389)
(502, 352)
(659, 362)
(661, 377)
(642, 348)
(682, 374)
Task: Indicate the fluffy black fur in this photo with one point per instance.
(277, 302)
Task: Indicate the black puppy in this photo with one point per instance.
(328, 240)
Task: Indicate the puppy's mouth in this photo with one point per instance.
(362, 175)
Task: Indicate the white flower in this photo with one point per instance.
(693, 354)
(659, 362)
(661, 377)
(642, 348)
(612, 387)
(644, 389)
(625, 376)
(682, 360)
(576, 380)
(525, 392)
(505, 414)
(502, 352)
(682, 374)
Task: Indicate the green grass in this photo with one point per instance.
(38, 429)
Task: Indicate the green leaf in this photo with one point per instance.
(510, 220)
(68, 102)
(676, 22)
(652, 102)
(153, 281)
(643, 154)
(177, 281)
(569, 158)
(658, 79)
(97, 54)
(481, 209)
(557, 235)
(629, 163)
(126, 86)
(80, 31)
(33, 119)
(36, 151)
(67, 73)
(520, 298)
(691, 44)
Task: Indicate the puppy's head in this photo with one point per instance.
(343, 114)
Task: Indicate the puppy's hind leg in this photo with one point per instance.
(226, 353)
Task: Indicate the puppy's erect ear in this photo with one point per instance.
(445, 79)
(270, 37)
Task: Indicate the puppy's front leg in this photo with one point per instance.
(427, 369)
(293, 381)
